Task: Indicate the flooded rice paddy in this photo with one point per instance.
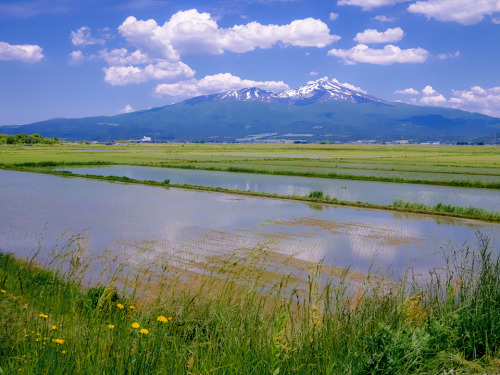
(346, 190)
(147, 222)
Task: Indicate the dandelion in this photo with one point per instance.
(144, 331)
(43, 316)
(169, 318)
(135, 325)
(54, 328)
(63, 352)
(111, 326)
(120, 306)
(58, 341)
(2, 291)
(162, 319)
(132, 307)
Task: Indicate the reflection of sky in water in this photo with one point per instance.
(192, 223)
(348, 190)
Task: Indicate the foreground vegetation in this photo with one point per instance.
(237, 319)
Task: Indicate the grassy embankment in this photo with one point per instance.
(229, 323)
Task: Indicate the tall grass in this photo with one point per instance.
(242, 316)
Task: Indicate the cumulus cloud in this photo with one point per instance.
(165, 70)
(369, 4)
(444, 56)
(374, 36)
(214, 84)
(127, 109)
(193, 32)
(122, 56)
(477, 99)
(333, 16)
(76, 58)
(27, 53)
(465, 12)
(383, 18)
(83, 37)
(410, 91)
(389, 55)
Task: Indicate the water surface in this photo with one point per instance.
(382, 193)
(145, 222)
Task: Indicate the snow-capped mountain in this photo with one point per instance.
(321, 90)
(324, 90)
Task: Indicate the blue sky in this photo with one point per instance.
(76, 58)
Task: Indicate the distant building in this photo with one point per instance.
(145, 139)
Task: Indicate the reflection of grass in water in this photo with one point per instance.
(253, 311)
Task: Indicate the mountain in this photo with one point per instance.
(319, 110)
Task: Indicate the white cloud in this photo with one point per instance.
(333, 16)
(374, 36)
(496, 21)
(428, 91)
(22, 52)
(410, 91)
(76, 57)
(83, 37)
(124, 75)
(313, 73)
(466, 12)
(390, 54)
(214, 84)
(477, 99)
(127, 109)
(370, 4)
(444, 56)
(121, 56)
(383, 18)
(193, 32)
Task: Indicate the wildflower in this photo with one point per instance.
(2, 291)
(54, 328)
(161, 318)
(111, 326)
(37, 340)
(43, 316)
(144, 331)
(58, 341)
(26, 335)
(135, 325)
(120, 306)
(63, 352)
(132, 307)
(169, 318)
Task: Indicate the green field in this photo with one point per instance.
(446, 165)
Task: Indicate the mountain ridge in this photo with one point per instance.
(320, 110)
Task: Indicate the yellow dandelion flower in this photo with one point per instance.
(2, 291)
(37, 340)
(161, 318)
(63, 352)
(144, 331)
(169, 318)
(132, 307)
(58, 341)
(135, 325)
(54, 328)
(43, 316)
(120, 306)
(111, 326)
(26, 335)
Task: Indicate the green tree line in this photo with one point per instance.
(23, 138)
